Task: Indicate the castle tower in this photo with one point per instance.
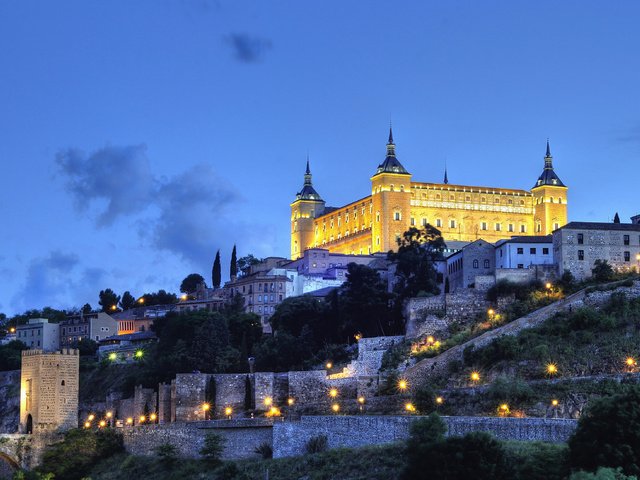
(49, 390)
(549, 199)
(307, 206)
(391, 199)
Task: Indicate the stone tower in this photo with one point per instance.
(549, 199)
(391, 199)
(49, 390)
(305, 208)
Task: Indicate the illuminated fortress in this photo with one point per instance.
(461, 212)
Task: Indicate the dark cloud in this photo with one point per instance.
(247, 48)
(119, 176)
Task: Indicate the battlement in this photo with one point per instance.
(64, 351)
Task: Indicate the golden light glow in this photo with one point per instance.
(274, 412)
(141, 300)
(329, 365)
(290, 401)
(491, 311)
(102, 423)
(554, 403)
(475, 376)
(552, 369)
(114, 307)
(228, 411)
(12, 330)
(183, 297)
(548, 285)
(361, 400)
(503, 409)
(109, 414)
(129, 421)
(206, 407)
(142, 418)
(113, 356)
(87, 424)
(439, 400)
(153, 417)
(335, 407)
(333, 393)
(139, 353)
(403, 385)
(91, 417)
(430, 339)
(268, 401)
(409, 407)
(630, 361)
(358, 337)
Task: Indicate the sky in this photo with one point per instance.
(139, 137)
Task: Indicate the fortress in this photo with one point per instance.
(461, 212)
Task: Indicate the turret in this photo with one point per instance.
(549, 199)
(305, 208)
(391, 198)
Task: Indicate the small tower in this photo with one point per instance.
(549, 199)
(49, 390)
(304, 209)
(391, 198)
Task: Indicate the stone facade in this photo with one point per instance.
(49, 390)
(478, 259)
(578, 245)
(396, 202)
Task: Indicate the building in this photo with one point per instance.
(524, 252)
(478, 259)
(635, 219)
(124, 347)
(461, 212)
(39, 334)
(95, 326)
(49, 390)
(209, 299)
(577, 245)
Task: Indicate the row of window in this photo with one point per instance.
(626, 239)
(627, 255)
(467, 198)
(532, 251)
(267, 309)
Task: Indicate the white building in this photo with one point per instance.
(39, 334)
(524, 252)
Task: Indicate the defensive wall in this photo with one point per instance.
(289, 438)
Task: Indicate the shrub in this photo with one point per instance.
(265, 450)
(424, 400)
(213, 448)
(168, 454)
(427, 430)
(602, 271)
(602, 474)
(317, 444)
(510, 390)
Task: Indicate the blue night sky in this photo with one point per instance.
(138, 137)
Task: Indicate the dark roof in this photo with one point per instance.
(308, 192)
(527, 239)
(322, 292)
(628, 227)
(548, 176)
(131, 337)
(391, 164)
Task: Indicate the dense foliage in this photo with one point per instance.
(11, 356)
(191, 282)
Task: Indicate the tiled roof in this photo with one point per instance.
(627, 227)
(527, 239)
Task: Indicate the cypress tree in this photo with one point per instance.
(248, 394)
(233, 267)
(616, 219)
(216, 273)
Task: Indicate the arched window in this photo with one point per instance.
(486, 264)
(476, 264)
(62, 383)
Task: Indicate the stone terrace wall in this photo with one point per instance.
(290, 438)
(241, 437)
(230, 391)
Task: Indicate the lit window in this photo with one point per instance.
(498, 227)
(396, 216)
(452, 224)
(413, 221)
(483, 226)
(510, 227)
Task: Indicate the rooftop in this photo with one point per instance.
(627, 227)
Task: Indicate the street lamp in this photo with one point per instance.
(329, 365)
(475, 376)
(268, 401)
(130, 421)
(403, 385)
(409, 407)
(91, 417)
(552, 369)
(228, 411)
(333, 393)
(153, 417)
(335, 407)
(361, 402)
(439, 400)
(290, 401)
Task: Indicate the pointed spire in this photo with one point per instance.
(307, 173)
(548, 176)
(446, 178)
(391, 147)
(308, 192)
(548, 155)
(548, 159)
(390, 142)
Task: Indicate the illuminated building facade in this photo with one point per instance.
(461, 212)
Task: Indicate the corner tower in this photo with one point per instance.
(549, 199)
(391, 200)
(305, 208)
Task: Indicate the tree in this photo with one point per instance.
(191, 282)
(216, 274)
(602, 271)
(161, 297)
(602, 474)
(233, 266)
(616, 218)
(608, 434)
(86, 346)
(128, 301)
(86, 308)
(245, 263)
(213, 448)
(418, 249)
(168, 454)
(108, 300)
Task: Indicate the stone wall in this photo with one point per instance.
(241, 437)
(9, 401)
(290, 438)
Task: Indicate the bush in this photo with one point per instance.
(427, 431)
(608, 434)
(602, 474)
(424, 400)
(537, 460)
(168, 454)
(317, 444)
(602, 271)
(213, 448)
(265, 450)
(510, 390)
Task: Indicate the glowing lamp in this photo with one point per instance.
(335, 407)
(409, 407)
(87, 424)
(630, 361)
(142, 418)
(552, 369)
(129, 421)
(109, 414)
(439, 400)
(403, 385)
(153, 417)
(361, 400)
(268, 401)
(475, 376)
(554, 403)
(91, 417)
(206, 407)
(228, 411)
(329, 365)
(290, 401)
(333, 393)
(102, 423)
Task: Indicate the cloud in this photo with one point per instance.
(119, 176)
(248, 49)
(50, 281)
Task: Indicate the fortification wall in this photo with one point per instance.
(290, 438)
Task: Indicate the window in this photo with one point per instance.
(396, 216)
(520, 265)
(476, 264)
(523, 228)
(580, 254)
(545, 251)
(413, 221)
(259, 298)
(580, 239)
(452, 224)
(532, 251)
(438, 223)
(498, 227)
(510, 227)
(627, 256)
(556, 226)
(626, 239)
(424, 222)
(520, 251)
(483, 226)
(377, 216)
(377, 240)
(539, 227)
(486, 264)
